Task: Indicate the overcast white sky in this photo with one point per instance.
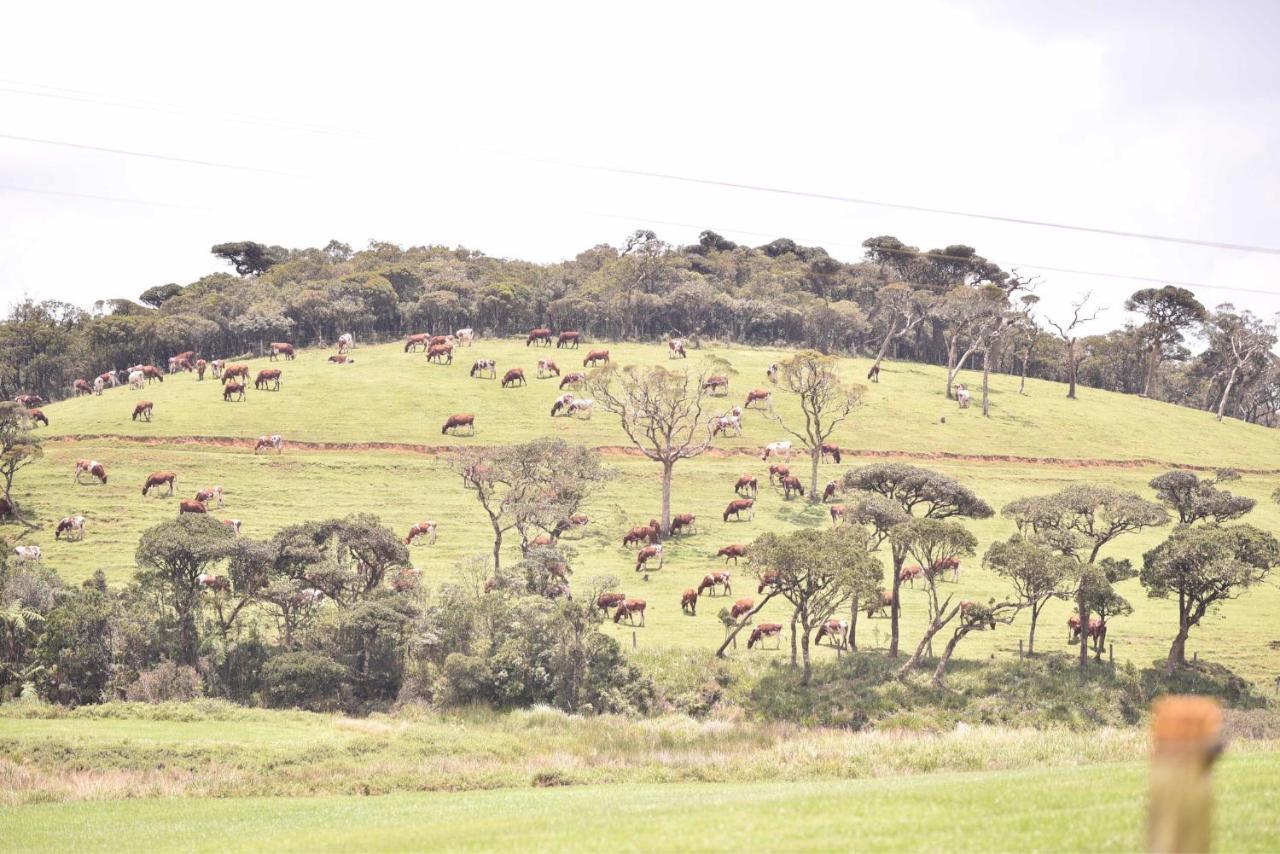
(446, 125)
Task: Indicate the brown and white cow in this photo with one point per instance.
(779, 472)
(82, 387)
(880, 604)
(346, 341)
(465, 336)
(215, 583)
(747, 486)
(37, 416)
(742, 607)
(281, 348)
(715, 579)
(629, 608)
(233, 524)
(594, 357)
(777, 449)
(683, 522)
(29, 400)
(151, 372)
(424, 530)
(716, 385)
(562, 404)
(675, 349)
(231, 372)
(91, 467)
(758, 395)
(273, 442)
(267, 377)
(791, 484)
(413, 342)
(160, 478)
(836, 633)
(837, 514)
(830, 449)
(770, 579)
(765, 630)
(485, 368)
(458, 421)
(574, 379)
(830, 490)
(210, 493)
(72, 526)
(547, 368)
(342, 359)
(639, 534)
(441, 354)
(647, 554)
(201, 366)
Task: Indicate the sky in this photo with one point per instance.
(133, 136)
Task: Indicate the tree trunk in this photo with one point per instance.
(497, 549)
(946, 656)
(1031, 636)
(986, 383)
(1071, 369)
(951, 367)
(896, 607)
(916, 656)
(1022, 382)
(815, 456)
(1082, 610)
(1226, 392)
(793, 640)
(853, 625)
(804, 650)
(1153, 363)
(1177, 652)
(668, 468)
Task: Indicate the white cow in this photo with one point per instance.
(772, 372)
(137, 379)
(962, 396)
(582, 406)
(346, 342)
(27, 553)
(233, 524)
(465, 336)
(725, 423)
(98, 385)
(273, 442)
(777, 449)
(72, 526)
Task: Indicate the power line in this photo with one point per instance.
(147, 155)
(12, 189)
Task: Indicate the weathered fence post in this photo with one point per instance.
(1020, 655)
(633, 638)
(1186, 739)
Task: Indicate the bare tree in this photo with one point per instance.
(824, 401)
(663, 413)
(1067, 331)
(901, 310)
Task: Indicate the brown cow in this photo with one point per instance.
(6, 509)
(37, 416)
(648, 553)
(909, 574)
(575, 379)
(758, 395)
(233, 389)
(273, 442)
(742, 607)
(267, 377)
(210, 493)
(629, 608)
(142, 409)
(791, 484)
(1097, 629)
(737, 506)
(461, 419)
(441, 354)
(201, 366)
(340, 359)
(943, 565)
(596, 356)
(689, 602)
(641, 533)
(874, 373)
(781, 471)
(160, 478)
(92, 467)
(716, 385)
(281, 348)
(732, 552)
(880, 603)
(191, 507)
(413, 342)
(547, 368)
(747, 485)
(82, 387)
(568, 339)
(540, 335)
(151, 372)
(513, 377)
(770, 579)
(830, 490)
(762, 631)
(830, 450)
(230, 372)
(715, 579)
(682, 522)
(29, 400)
(605, 601)
(837, 514)
(440, 340)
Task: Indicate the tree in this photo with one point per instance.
(533, 486)
(1196, 500)
(898, 310)
(824, 401)
(661, 411)
(1240, 342)
(1204, 566)
(249, 258)
(970, 317)
(160, 294)
(922, 493)
(1036, 572)
(19, 445)
(817, 571)
(346, 559)
(1078, 521)
(1169, 311)
(1068, 331)
(878, 515)
(933, 543)
(172, 556)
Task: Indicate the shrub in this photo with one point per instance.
(164, 683)
(304, 680)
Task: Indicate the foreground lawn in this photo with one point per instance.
(1092, 807)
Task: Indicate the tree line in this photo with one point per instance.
(945, 306)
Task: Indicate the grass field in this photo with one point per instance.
(392, 397)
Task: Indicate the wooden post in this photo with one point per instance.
(1185, 741)
(1020, 655)
(633, 638)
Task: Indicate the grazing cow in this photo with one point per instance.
(281, 348)
(837, 514)
(27, 553)
(596, 356)
(648, 553)
(267, 377)
(747, 486)
(234, 389)
(179, 363)
(160, 478)
(201, 365)
(640, 534)
(681, 522)
(582, 406)
(82, 387)
(830, 450)
(791, 484)
(152, 373)
(441, 354)
(765, 630)
(605, 601)
(513, 377)
(629, 608)
(438, 340)
(98, 385)
(1097, 629)
(217, 366)
(230, 372)
(759, 395)
(273, 442)
(540, 335)
(191, 507)
(421, 529)
(568, 339)
(216, 583)
(738, 506)
(342, 360)
(769, 580)
(962, 396)
(346, 342)
(874, 373)
(575, 379)
(485, 367)
(675, 349)
(142, 409)
(564, 401)
(210, 493)
(109, 378)
(880, 604)
(779, 472)
(944, 565)
(37, 416)
(717, 385)
(29, 400)
(715, 579)
(465, 336)
(835, 631)
(91, 467)
(579, 520)
(73, 526)
(777, 449)
(742, 607)
(413, 342)
(772, 372)
(732, 552)
(6, 508)
(461, 419)
(909, 574)
(725, 423)
(689, 602)
(830, 490)
(233, 524)
(547, 368)
(136, 379)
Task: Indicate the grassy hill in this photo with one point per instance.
(1033, 443)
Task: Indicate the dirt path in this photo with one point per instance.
(246, 445)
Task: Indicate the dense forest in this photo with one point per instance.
(946, 306)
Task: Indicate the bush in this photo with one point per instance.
(304, 680)
(164, 683)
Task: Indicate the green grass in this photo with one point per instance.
(1093, 807)
(392, 397)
